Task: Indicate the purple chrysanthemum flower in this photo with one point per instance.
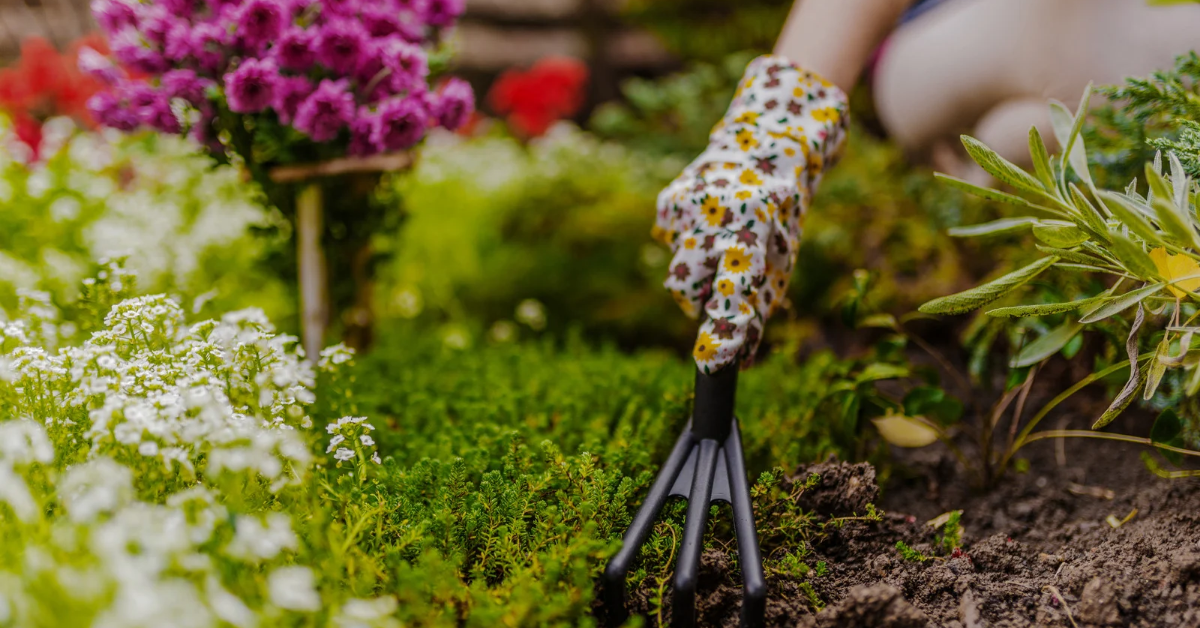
(159, 116)
(360, 134)
(114, 15)
(344, 8)
(155, 24)
(339, 45)
(178, 47)
(251, 87)
(391, 66)
(409, 65)
(107, 109)
(323, 114)
(289, 95)
(186, 85)
(455, 102)
(260, 22)
(129, 48)
(399, 123)
(209, 46)
(98, 66)
(443, 12)
(381, 21)
(183, 9)
(296, 50)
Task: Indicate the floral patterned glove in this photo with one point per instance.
(733, 218)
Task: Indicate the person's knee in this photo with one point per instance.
(1004, 129)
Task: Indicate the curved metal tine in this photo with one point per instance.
(754, 588)
(639, 529)
(687, 568)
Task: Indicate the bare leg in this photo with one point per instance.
(978, 66)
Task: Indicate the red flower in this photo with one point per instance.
(44, 83)
(549, 91)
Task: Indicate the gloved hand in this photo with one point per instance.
(733, 218)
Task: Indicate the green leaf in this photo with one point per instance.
(880, 370)
(933, 403)
(1127, 211)
(1116, 305)
(1092, 220)
(988, 292)
(886, 321)
(1066, 131)
(1131, 255)
(1173, 220)
(1179, 181)
(1136, 376)
(994, 195)
(1047, 345)
(1168, 430)
(995, 227)
(1079, 257)
(1045, 309)
(1001, 168)
(1158, 367)
(1158, 185)
(1058, 234)
(1076, 152)
(1041, 160)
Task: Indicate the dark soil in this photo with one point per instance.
(1037, 548)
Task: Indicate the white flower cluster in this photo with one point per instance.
(145, 475)
(351, 438)
(182, 222)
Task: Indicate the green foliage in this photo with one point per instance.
(951, 537)
(672, 115)
(559, 230)
(1159, 112)
(909, 554)
(711, 29)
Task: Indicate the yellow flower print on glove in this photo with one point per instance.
(733, 217)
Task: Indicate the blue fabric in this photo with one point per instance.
(920, 8)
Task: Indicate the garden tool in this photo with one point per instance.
(706, 465)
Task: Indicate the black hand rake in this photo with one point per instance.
(705, 466)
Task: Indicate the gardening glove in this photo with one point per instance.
(733, 218)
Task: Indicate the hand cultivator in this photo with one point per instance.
(705, 466)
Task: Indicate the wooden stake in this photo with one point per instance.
(310, 257)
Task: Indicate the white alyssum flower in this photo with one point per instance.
(95, 487)
(258, 539)
(360, 613)
(294, 589)
(343, 454)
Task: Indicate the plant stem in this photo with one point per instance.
(1105, 436)
(1053, 403)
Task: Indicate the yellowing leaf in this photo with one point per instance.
(1181, 270)
(903, 431)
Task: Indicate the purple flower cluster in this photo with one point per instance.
(349, 71)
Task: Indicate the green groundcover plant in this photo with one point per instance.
(158, 470)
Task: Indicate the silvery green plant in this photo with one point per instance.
(1148, 246)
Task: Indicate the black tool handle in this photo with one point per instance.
(712, 416)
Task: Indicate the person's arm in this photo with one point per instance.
(835, 38)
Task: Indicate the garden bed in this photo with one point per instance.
(1037, 550)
